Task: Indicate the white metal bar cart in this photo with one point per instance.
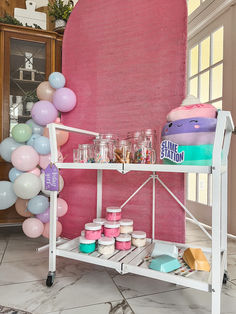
(133, 261)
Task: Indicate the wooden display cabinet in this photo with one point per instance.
(27, 57)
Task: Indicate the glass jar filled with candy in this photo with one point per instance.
(123, 152)
(144, 154)
(101, 151)
(111, 141)
(86, 153)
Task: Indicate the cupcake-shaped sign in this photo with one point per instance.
(190, 108)
(188, 136)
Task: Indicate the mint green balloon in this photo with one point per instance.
(21, 132)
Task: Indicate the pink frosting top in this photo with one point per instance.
(191, 111)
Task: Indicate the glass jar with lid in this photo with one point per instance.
(111, 140)
(101, 151)
(123, 152)
(86, 153)
(144, 154)
(150, 137)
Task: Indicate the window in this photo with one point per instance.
(205, 78)
(193, 5)
(205, 81)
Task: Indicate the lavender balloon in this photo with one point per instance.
(64, 99)
(45, 216)
(43, 112)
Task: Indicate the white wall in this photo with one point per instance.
(42, 3)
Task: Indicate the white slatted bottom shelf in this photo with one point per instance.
(136, 261)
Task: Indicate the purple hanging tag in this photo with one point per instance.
(51, 178)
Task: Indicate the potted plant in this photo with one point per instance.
(60, 12)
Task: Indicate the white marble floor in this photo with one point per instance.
(82, 288)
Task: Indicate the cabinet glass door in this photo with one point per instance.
(27, 71)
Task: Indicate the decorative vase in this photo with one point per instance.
(60, 23)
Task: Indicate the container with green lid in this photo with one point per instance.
(86, 246)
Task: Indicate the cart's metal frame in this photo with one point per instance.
(132, 261)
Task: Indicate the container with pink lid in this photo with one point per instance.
(111, 229)
(100, 221)
(93, 231)
(123, 242)
(113, 213)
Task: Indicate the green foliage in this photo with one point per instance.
(60, 11)
(8, 19)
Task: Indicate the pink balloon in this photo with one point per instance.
(45, 91)
(62, 207)
(64, 99)
(44, 160)
(43, 112)
(62, 136)
(33, 227)
(46, 229)
(25, 158)
(35, 171)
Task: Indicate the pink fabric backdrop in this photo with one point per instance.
(126, 62)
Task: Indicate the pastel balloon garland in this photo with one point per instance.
(28, 149)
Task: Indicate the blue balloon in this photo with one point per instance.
(42, 145)
(36, 129)
(7, 195)
(8, 145)
(57, 80)
(13, 174)
(38, 204)
(32, 139)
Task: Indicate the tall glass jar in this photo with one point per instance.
(143, 153)
(150, 137)
(86, 153)
(101, 151)
(111, 140)
(123, 152)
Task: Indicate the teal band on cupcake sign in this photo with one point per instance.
(169, 150)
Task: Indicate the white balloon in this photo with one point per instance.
(7, 195)
(46, 192)
(27, 185)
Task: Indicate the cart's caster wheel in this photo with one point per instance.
(225, 278)
(50, 279)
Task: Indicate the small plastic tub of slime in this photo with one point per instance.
(123, 242)
(111, 229)
(100, 221)
(93, 231)
(139, 238)
(86, 245)
(126, 226)
(106, 245)
(113, 213)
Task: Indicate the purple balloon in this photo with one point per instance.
(45, 216)
(64, 99)
(43, 112)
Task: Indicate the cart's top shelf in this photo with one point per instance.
(124, 168)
